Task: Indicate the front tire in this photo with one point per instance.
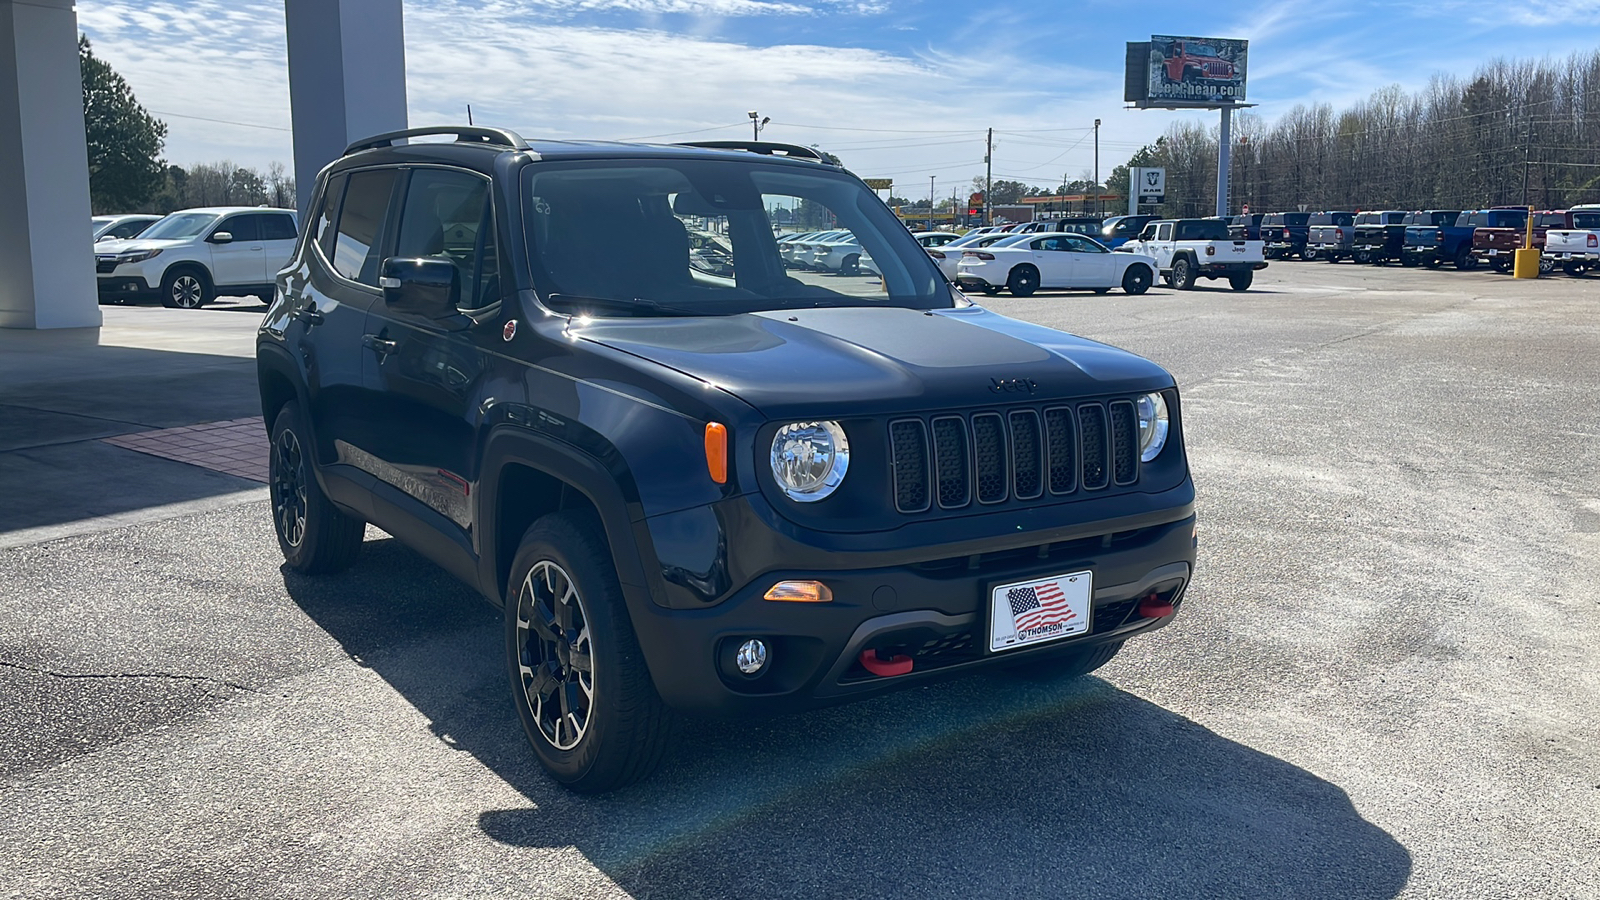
(1465, 261)
(1362, 257)
(1024, 280)
(186, 288)
(1308, 254)
(316, 537)
(579, 681)
(1547, 264)
(1137, 279)
(1182, 274)
(1241, 281)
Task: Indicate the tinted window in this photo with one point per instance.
(1369, 219)
(1586, 220)
(331, 196)
(366, 201)
(1295, 219)
(447, 215)
(1164, 231)
(128, 229)
(1203, 230)
(243, 228)
(1272, 220)
(277, 227)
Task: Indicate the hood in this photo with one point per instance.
(104, 248)
(866, 361)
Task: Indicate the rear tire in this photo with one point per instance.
(579, 681)
(1182, 274)
(1136, 280)
(1575, 269)
(1409, 262)
(1362, 257)
(1308, 254)
(1241, 281)
(1433, 262)
(316, 537)
(1502, 265)
(1066, 666)
(1023, 281)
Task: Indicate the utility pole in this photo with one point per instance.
(1097, 166)
(930, 202)
(1224, 160)
(988, 179)
(1527, 145)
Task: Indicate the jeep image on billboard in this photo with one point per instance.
(1197, 70)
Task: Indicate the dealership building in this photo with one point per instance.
(346, 81)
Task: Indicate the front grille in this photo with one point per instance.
(1019, 455)
(105, 266)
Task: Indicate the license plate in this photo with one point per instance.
(1025, 613)
(1494, 252)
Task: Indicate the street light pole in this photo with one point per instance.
(930, 202)
(1097, 166)
(757, 123)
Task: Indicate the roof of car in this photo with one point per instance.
(481, 155)
(220, 210)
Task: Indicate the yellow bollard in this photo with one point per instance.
(1525, 264)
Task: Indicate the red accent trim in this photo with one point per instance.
(1153, 607)
(466, 488)
(898, 665)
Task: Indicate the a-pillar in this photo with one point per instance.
(347, 78)
(46, 257)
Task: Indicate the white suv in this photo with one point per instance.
(190, 257)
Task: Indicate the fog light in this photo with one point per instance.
(752, 656)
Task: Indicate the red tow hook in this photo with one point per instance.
(1153, 607)
(874, 662)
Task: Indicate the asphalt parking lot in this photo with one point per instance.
(1383, 683)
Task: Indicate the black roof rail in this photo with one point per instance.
(766, 148)
(465, 134)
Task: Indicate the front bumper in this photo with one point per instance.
(931, 604)
(116, 286)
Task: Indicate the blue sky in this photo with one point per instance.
(897, 88)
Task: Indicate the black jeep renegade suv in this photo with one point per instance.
(722, 489)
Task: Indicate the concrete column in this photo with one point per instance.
(347, 78)
(46, 245)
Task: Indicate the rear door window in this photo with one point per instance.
(277, 227)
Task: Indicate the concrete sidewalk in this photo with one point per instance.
(63, 392)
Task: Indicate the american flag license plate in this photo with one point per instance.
(1025, 613)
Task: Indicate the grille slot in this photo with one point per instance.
(1124, 443)
(908, 440)
(1094, 446)
(950, 452)
(989, 449)
(1063, 450)
(1027, 455)
(1000, 456)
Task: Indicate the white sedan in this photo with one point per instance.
(947, 256)
(1053, 261)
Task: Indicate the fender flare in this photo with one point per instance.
(611, 493)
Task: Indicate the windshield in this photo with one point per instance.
(613, 238)
(1201, 50)
(178, 226)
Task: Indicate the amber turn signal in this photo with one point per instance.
(800, 592)
(717, 452)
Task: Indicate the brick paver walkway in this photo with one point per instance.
(237, 447)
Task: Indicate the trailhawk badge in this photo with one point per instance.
(510, 331)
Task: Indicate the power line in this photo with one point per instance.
(219, 121)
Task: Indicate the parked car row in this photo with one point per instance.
(1466, 239)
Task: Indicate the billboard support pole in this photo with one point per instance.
(1224, 159)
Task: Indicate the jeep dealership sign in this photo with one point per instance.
(1186, 72)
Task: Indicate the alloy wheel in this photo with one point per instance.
(289, 488)
(556, 660)
(186, 291)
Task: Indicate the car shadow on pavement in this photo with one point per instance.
(991, 785)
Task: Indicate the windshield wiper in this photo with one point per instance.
(618, 304)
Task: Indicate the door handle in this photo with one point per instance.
(308, 314)
(379, 345)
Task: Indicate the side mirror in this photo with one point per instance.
(426, 286)
(221, 237)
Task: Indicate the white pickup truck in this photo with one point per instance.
(1577, 249)
(1186, 249)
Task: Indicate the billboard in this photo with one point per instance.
(1179, 72)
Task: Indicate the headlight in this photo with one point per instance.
(135, 256)
(1153, 425)
(809, 459)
